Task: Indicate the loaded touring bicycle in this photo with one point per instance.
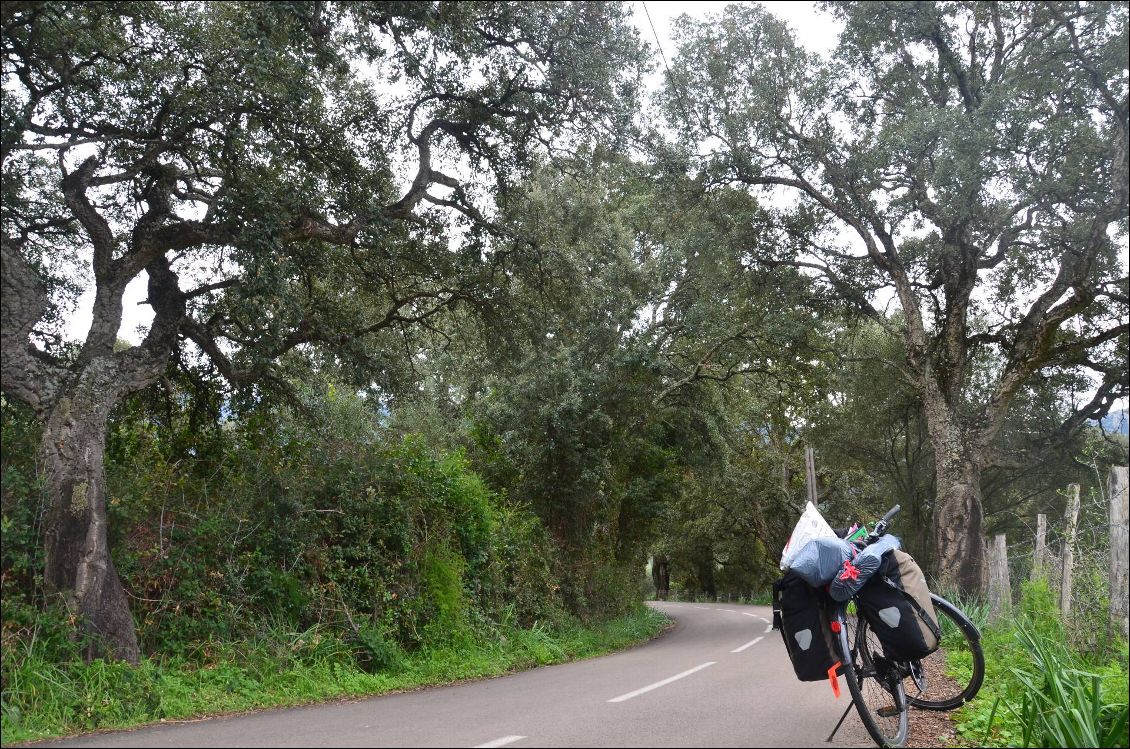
(859, 607)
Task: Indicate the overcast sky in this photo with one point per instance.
(814, 29)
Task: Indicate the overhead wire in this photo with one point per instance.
(679, 93)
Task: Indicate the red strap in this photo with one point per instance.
(851, 572)
(835, 681)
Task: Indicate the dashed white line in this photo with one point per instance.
(500, 742)
(659, 684)
(768, 627)
(749, 644)
(755, 616)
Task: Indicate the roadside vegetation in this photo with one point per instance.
(1044, 686)
(52, 692)
(262, 590)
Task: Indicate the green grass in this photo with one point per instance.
(42, 699)
(1038, 690)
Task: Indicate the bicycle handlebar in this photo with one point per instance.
(880, 528)
(890, 514)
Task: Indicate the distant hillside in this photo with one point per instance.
(1117, 421)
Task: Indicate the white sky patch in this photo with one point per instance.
(814, 29)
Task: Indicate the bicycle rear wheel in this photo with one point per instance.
(875, 682)
(951, 675)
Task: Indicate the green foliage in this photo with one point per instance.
(915, 136)
(442, 582)
(468, 434)
(21, 492)
(1064, 706)
(284, 559)
(374, 650)
(330, 522)
(1039, 690)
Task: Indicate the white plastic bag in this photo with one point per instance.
(811, 525)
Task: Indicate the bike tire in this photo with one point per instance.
(872, 680)
(948, 691)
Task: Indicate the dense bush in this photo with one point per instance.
(280, 555)
(275, 519)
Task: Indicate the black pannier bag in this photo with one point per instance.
(799, 612)
(897, 605)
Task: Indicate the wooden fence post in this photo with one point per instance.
(1000, 591)
(1119, 493)
(1072, 518)
(810, 474)
(1039, 561)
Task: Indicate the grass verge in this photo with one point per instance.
(280, 669)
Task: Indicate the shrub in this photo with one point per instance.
(1040, 690)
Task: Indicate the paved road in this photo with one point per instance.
(719, 678)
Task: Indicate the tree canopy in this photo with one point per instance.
(616, 326)
(975, 157)
(248, 157)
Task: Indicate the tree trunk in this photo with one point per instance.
(78, 566)
(959, 546)
(661, 576)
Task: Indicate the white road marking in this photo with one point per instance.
(749, 644)
(659, 684)
(768, 627)
(755, 616)
(500, 742)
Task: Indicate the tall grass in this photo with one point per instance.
(1065, 706)
(1039, 690)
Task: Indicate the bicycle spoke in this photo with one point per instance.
(951, 675)
(875, 682)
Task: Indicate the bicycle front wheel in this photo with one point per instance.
(951, 675)
(874, 681)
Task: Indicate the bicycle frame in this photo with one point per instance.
(856, 658)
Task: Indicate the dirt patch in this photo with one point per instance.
(929, 728)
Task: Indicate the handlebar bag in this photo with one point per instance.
(800, 613)
(896, 602)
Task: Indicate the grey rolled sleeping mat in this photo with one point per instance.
(866, 563)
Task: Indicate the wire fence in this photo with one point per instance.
(1084, 562)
